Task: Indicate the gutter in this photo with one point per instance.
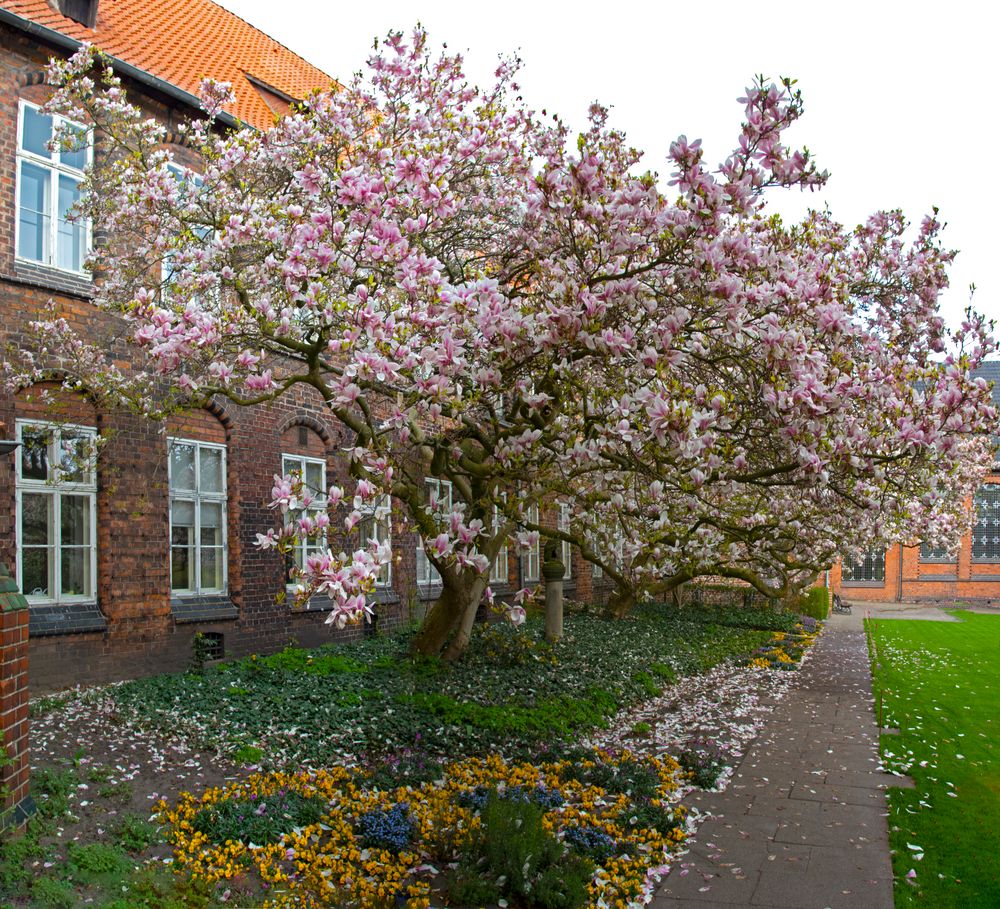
(64, 42)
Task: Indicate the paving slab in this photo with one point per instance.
(802, 824)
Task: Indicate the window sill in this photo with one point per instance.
(65, 618)
(203, 608)
(52, 278)
(863, 583)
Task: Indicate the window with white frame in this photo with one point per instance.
(567, 548)
(56, 512)
(439, 497)
(500, 569)
(48, 187)
(377, 525)
(533, 557)
(197, 517)
(312, 472)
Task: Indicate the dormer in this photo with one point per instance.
(82, 11)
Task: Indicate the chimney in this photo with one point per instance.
(82, 11)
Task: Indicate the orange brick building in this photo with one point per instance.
(921, 573)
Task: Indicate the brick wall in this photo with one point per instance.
(13, 702)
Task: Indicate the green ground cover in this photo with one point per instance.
(940, 685)
(311, 707)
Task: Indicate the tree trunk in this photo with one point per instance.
(441, 618)
(620, 603)
(464, 634)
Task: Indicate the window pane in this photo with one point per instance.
(36, 519)
(314, 477)
(211, 569)
(181, 466)
(33, 213)
(76, 456)
(75, 520)
(182, 521)
(211, 470)
(36, 132)
(77, 156)
(35, 453)
(36, 572)
(211, 524)
(180, 567)
(76, 571)
(70, 244)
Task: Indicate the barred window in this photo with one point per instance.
(870, 566)
(986, 533)
(930, 553)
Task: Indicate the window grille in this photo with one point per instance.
(930, 553)
(986, 532)
(870, 566)
(532, 558)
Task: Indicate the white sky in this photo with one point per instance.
(900, 97)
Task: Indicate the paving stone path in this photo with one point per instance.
(802, 824)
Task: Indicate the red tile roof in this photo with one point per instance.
(183, 41)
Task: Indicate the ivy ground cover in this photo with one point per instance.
(345, 702)
(940, 686)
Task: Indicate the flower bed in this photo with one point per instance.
(588, 829)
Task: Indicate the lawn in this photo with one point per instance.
(940, 685)
(393, 781)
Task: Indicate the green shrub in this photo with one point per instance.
(816, 603)
(513, 856)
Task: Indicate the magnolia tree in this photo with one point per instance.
(479, 300)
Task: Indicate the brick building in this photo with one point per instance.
(915, 573)
(124, 558)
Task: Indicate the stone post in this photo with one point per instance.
(17, 803)
(553, 570)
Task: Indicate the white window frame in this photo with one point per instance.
(57, 488)
(57, 168)
(196, 496)
(298, 464)
(378, 518)
(500, 569)
(563, 523)
(533, 557)
(427, 574)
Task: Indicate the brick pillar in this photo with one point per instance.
(17, 805)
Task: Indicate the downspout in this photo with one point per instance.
(64, 42)
(899, 580)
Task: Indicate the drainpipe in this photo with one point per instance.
(899, 580)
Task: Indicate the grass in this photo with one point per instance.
(940, 685)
